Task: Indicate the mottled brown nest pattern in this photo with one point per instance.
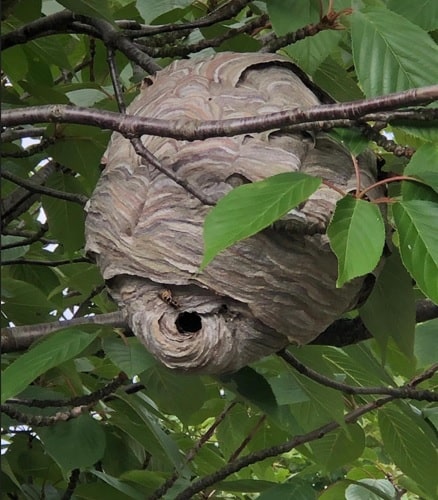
(145, 231)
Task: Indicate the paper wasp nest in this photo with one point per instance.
(145, 231)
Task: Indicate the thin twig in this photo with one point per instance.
(10, 135)
(327, 22)
(404, 392)
(31, 150)
(184, 50)
(37, 188)
(49, 263)
(86, 400)
(222, 13)
(42, 420)
(72, 483)
(35, 236)
(190, 455)
(141, 150)
(258, 456)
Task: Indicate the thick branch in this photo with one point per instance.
(21, 337)
(114, 38)
(184, 129)
(40, 27)
(343, 332)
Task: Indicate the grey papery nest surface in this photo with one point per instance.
(145, 231)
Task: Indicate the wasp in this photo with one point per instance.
(167, 296)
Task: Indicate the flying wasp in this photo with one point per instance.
(167, 296)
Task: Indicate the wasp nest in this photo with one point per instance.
(145, 231)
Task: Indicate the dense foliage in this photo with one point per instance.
(86, 410)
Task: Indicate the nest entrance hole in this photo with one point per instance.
(188, 322)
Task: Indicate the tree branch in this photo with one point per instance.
(37, 188)
(10, 135)
(41, 420)
(114, 38)
(34, 236)
(190, 455)
(18, 338)
(72, 483)
(405, 392)
(328, 22)
(86, 400)
(134, 126)
(222, 13)
(273, 451)
(22, 199)
(184, 50)
(49, 263)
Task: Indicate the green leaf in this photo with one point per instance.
(174, 393)
(336, 81)
(357, 236)
(312, 51)
(287, 390)
(358, 364)
(410, 447)
(92, 8)
(370, 489)
(151, 9)
(51, 50)
(295, 489)
(24, 303)
(75, 444)
(123, 488)
(66, 219)
(129, 356)
(289, 15)
(416, 222)
(339, 447)
(133, 417)
(81, 148)
(424, 166)
(421, 12)
(14, 252)
(426, 345)
(14, 64)
(246, 485)
(390, 53)
(325, 403)
(352, 139)
(58, 348)
(253, 386)
(390, 309)
(248, 209)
